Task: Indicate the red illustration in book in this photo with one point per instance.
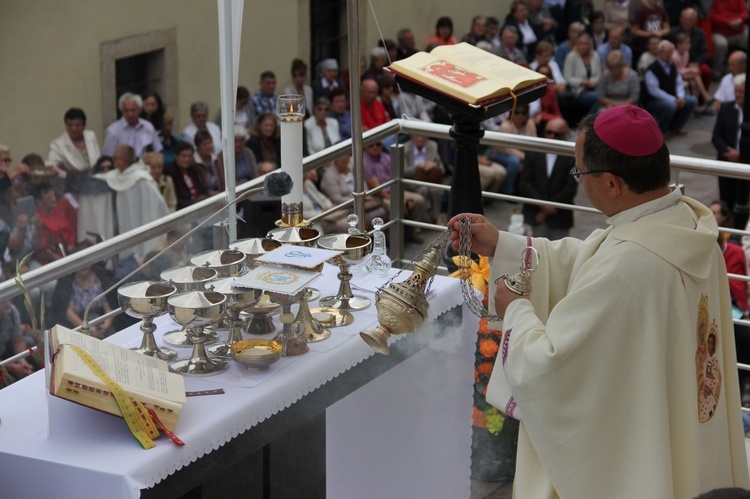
(453, 73)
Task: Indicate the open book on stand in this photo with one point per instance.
(468, 74)
(142, 378)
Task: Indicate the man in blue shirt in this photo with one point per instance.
(665, 93)
(616, 36)
(264, 100)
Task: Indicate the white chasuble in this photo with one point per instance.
(621, 366)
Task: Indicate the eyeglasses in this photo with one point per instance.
(556, 135)
(5, 160)
(576, 173)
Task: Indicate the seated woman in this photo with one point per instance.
(246, 167)
(690, 72)
(190, 182)
(265, 143)
(338, 185)
(315, 202)
(378, 60)
(443, 32)
(155, 162)
(204, 158)
(549, 105)
(512, 158)
(582, 71)
(620, 85)
(74, 293)
(321, 131)
(58, 233)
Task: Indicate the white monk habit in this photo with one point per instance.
(138, 202)
(610, 366)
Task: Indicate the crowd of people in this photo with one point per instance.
(663, 58)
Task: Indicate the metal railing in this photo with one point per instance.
(207, 207)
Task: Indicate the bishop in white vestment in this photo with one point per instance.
(621, 363)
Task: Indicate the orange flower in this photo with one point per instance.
(478, 418)
(488, 348)
(485, 368)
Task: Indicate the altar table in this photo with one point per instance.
(395, 427)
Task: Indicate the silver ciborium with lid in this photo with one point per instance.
(254, 247)
(226, 262)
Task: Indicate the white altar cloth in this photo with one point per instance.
(93, 453)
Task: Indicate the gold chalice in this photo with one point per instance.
(290, 337)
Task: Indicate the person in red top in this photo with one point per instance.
(728, 19)
(373, 111)
(58, 235)
(443, 32)
(734, 257)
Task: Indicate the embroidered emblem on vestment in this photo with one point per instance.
(707, 367)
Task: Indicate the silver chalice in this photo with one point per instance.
(238, 299)
(196, 310)
(354, 248)
(147, 300)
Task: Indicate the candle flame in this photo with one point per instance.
(291, 108)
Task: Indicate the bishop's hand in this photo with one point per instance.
(484, 235)
(504, 297)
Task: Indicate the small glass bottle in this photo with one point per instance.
(378, 262)
(353, 220)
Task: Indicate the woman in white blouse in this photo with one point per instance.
(320, 130)
(582, 71)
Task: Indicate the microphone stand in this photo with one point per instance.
(85, 324)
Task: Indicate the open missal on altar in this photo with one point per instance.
(467, 73)
(143, 378)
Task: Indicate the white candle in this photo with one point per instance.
(291, 113)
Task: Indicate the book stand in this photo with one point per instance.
(466, 188)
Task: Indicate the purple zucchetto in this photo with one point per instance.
(629, 130)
